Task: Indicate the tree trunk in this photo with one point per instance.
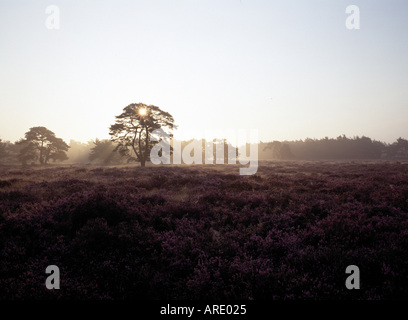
(41, 153)
(142, 162)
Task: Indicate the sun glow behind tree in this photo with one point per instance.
(133, 128)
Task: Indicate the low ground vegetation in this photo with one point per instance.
(205, 232)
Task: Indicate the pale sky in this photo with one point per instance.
(289, 69)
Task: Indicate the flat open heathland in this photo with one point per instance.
(205, 232)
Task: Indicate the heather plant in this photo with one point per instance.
(288, 232)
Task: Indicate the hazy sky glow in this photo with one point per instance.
(290, 69)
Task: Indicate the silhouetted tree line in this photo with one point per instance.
(341, 147)
(42, 146)
(103, 152)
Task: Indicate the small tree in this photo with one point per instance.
(279, 150)
(399, 149)
(104, 150)
(133, 128)
(41, 144)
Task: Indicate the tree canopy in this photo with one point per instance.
(41, 144)
(104, 151)
(133, 128)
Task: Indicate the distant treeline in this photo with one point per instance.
(342, 147)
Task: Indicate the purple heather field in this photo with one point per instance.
(205, 232)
